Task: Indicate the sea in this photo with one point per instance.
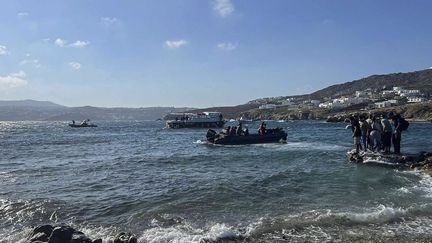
(169, 185)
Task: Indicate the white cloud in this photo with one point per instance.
(223, 8)
(3, 50)
(80, 44)
(175, 44)
(75, 65)
(63, 43)
(227, 46)
(22, 15)
(35, 62)
(13, 80)
(110, 22)
(60, 42)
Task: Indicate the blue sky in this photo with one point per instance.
(201, 53)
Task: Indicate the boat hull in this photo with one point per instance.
(274, 137)
(88, 125)
(190, 124)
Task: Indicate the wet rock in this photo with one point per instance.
(335, 119)
(125, 238)
(41, 233)
(421, 161)
(59, 234)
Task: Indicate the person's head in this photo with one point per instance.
(390, 115)
(228, 127)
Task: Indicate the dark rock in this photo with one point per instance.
(61, 234)
(41, 233)
(79, 237)
(39, 237)
(421, 161)
(125, 238)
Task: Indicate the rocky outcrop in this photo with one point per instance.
(125, 238)
(336, 118)
(421, 161)
(67, 234)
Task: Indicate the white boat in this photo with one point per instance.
(194, 120)
(243, 120)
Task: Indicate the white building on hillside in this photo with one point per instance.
(416, 99)
(267, 106)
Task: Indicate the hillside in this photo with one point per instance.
(421, 80)
(30, 110)
(29, 103)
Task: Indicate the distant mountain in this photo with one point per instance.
(421, 80)
(29, 103)
(31, 110)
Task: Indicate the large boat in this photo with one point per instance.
(195, 120)
(276, 135)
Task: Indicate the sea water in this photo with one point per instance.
(167, 185)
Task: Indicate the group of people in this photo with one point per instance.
(239, 131)
(83, 123)
(236, 131)
(378, 133)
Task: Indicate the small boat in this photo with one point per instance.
(82, 125)
(276, 135)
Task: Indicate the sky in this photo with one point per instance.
(202, 53)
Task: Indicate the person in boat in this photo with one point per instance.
(73, 122)
(239, 130)
(246, 132)
(226, 130)
(232, 131)
(262, 129)
(84, 123)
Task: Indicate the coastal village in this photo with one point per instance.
(369, 99)
(364, 101)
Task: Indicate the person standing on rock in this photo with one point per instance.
(356, 133)
(375, 135)
(387, 134)
(364, 126)
(397, 133)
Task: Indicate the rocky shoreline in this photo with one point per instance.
(67, 234)
(421, 162)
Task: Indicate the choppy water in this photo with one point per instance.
(167, 186)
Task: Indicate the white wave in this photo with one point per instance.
(381, 214)
(425, 184)
(314, 146)
(200, 142)
(186, 233)
(403, 190)
(382, 162)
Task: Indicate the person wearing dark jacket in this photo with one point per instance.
(355, 126)
(397, 133)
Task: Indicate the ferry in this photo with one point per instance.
(195, 120)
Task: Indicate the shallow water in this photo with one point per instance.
(169, 186)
